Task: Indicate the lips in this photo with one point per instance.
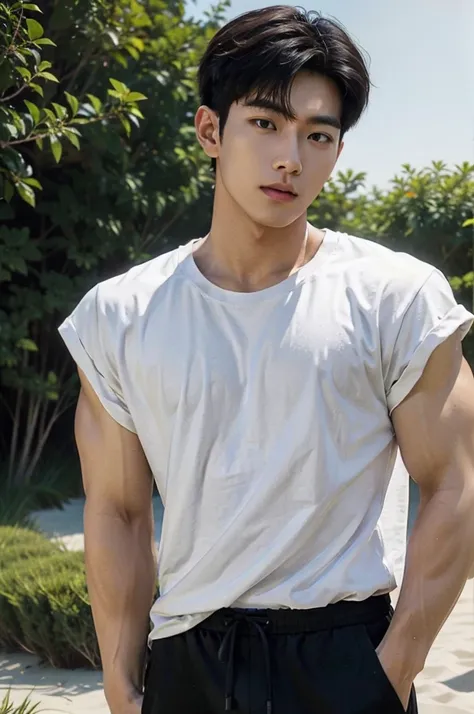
(279, 193)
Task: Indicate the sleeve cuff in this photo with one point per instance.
(457, 318)
(109, 400)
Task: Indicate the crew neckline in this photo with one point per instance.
(189, 268)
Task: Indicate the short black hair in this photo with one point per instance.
(259, 53)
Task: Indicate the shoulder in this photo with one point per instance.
(388, 275)
(132, 291)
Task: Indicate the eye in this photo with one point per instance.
(264, 124)
(322, 138)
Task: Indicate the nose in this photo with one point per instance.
(289, 159)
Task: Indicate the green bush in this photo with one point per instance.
(18, 544)
(12, 536)
(44, 605)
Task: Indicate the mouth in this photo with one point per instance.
(280, 194)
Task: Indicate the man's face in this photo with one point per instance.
(260, 148)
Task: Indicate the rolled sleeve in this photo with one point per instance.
(89, 340)
(431, 318)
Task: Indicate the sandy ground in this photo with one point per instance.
(445, 687)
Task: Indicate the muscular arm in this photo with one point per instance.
(435, 431)
(119, 552)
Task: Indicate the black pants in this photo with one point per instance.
(319, 661)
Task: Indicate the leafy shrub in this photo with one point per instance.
(11, 536)
(19, 544)
(44, 605)
(91, 185)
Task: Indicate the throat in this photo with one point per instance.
(263, 270)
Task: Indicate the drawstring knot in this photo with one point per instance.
(227, 653)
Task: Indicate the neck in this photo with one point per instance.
(240, 254)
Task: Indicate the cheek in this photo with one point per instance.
(240, 160)
(242, 147)
(320, 163)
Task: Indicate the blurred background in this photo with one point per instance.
(99, 170)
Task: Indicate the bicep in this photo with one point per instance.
(115, 471)
(434, 425)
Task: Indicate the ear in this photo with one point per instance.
(206, 123)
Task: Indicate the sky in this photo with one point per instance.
(421, 58)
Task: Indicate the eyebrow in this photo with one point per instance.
(326, 119)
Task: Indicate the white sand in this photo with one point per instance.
(445, 687)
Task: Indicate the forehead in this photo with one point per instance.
(315, 94)
(310, 95)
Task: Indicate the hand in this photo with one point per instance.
(394, 670)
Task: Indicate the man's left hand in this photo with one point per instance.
(396, 673)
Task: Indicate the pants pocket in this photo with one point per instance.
(146, 684)
(370, 638)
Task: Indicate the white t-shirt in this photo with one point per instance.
(265, 417)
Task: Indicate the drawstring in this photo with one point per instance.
(227, 652)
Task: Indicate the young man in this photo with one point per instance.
(264, 376)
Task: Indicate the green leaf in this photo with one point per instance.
(8, 191)
(11, 129)
(135, 97)
(37, 88)
(133, 52)
(138, 43)
(73, 103)
(33, 182)
(56, 147)
(26, 344)
(50, 77)
(35, 30)
(25, 73)
(52, 378)
(119, 86)
(96, 103)
(469, 222)
(34, 111)
(51, 115)
(72, 138)
(27, 193)
(35, 54)
(135, 111)
(39, 143)
(115, 94)
(20, 57)
(61, 111)
(126, 125)
(46, 41)
(44, 65)
(120, 58)
(32, 7)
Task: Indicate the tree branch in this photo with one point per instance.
(15, 94)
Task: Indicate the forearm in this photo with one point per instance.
(439, 557)
(121, 576)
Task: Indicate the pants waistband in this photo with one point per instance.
(287, 621)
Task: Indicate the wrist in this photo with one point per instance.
(405, 655)
(120, 692)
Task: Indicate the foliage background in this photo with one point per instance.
(95, 177)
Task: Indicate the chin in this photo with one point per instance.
(275, 219)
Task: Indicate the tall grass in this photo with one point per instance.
(26, 707)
